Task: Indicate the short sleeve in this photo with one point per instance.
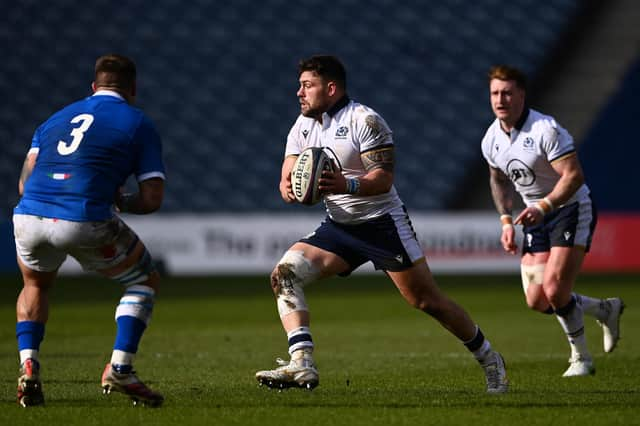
(372, 131)
(556, 141)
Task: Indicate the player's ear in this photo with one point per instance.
(93, 86)
(331, 88)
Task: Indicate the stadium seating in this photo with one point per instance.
(609, 155)
(219, 80)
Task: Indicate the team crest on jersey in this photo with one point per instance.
(528, 144)
(520, 173)
(342, 132)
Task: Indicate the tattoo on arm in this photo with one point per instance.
(501, 191)
(382, 158)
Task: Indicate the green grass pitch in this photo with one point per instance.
(380, 361)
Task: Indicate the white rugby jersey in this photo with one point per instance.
(347, 130)
(526, 154)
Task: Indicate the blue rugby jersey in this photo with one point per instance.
(86, 151)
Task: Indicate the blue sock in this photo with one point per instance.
(29, 334)
(130, 330)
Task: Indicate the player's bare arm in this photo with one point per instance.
(571, 179)
(378, 179)
(501, 191)
(147, 200)
(27, 168)
(286, 191)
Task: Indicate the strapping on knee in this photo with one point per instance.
(531, 274)
(137, 273)
(291, 274)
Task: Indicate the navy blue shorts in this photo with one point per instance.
(568, 226)
(388, 241)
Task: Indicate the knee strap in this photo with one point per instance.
(292, 273)
(139, 272)
(531, 274)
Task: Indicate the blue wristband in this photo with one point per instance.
(353, 185)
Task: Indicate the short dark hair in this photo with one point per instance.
(115, 72)
(328, 67)
(506, 72)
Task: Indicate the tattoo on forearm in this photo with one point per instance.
(502, 191)
(382, 158)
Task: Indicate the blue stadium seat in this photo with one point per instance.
(219, 80)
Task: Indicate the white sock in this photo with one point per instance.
(25, 354)
(593, 307)
(572, 323)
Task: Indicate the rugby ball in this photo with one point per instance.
(306, 172)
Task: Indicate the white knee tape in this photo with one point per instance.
(292, 273)
(531, 274)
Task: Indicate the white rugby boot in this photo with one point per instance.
(580, 365)
(299, 372)
(496, 373)
(611, 325)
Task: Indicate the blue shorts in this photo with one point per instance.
(388, 241)
(568, 226)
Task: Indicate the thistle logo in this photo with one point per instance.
(528, 144)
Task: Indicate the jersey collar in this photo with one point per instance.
(522, 119)
(104, 92)
(343, 102)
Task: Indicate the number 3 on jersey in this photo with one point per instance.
(85, 121)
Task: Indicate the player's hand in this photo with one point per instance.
(529, 216)
(332, 182)
(286, 191)
(508, 239)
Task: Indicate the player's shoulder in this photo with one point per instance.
(491, 132)
(541, 122)
(360, 111)
(364, 116)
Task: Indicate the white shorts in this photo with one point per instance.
(42, 244)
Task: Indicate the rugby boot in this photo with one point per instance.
(299, 372)
(495, 373)
(130, 385)
(611, 325)
(580, 365)
(29, 385)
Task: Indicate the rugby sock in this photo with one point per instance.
(596, 308)
(29, 335)
(571, 319)
(300, 338)
(479, 346)
(132, 316)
